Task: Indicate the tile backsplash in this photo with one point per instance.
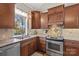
(6, 34)
(72, 34)
(36, 31)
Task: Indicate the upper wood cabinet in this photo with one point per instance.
(78, 15)
(57, 9)
(56, 15)
(72, 16)
(7, 15)
(44, 20)
(36, 22)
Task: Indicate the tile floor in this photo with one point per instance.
(38, 54)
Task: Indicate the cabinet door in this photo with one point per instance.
(60, 8)
(35, 43)
(31, 48)
(52, 11)
(50, 19)
(78, 15)
(24, 50)
(42, 44)
(70, 51)
(36, 22)
(44, 20)
(60, 17)
(56, 17)
(71, 48)
(71, 17)
(7, 15)
(42, 47)
(78, 20)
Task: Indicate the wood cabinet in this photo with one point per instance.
(36, 21)
(71, 48)
(32, 46)
(7, 15)
(42, 44)
(56, 15)
(24, 50)
(35, 43)
(28, 47)
(44, 20)
(72, 16)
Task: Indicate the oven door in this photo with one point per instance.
(54, 46)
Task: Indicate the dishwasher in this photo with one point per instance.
(10, 50)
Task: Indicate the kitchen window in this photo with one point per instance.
(20, 23)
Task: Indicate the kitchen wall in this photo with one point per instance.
(5, 34)
(72, 34)
(36, 31)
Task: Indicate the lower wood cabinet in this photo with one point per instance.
(71, 51)
(32, 46)
(28, 47)
(71, 48)
(42, 44)
(24, 50)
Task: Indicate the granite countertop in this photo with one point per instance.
(15, 40)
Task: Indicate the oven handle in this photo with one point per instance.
(54, 42)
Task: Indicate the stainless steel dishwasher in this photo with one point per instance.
(10, 50)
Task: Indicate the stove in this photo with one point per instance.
(54, 46)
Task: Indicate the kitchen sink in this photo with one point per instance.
(21, 37)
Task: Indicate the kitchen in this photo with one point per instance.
(39, 29)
